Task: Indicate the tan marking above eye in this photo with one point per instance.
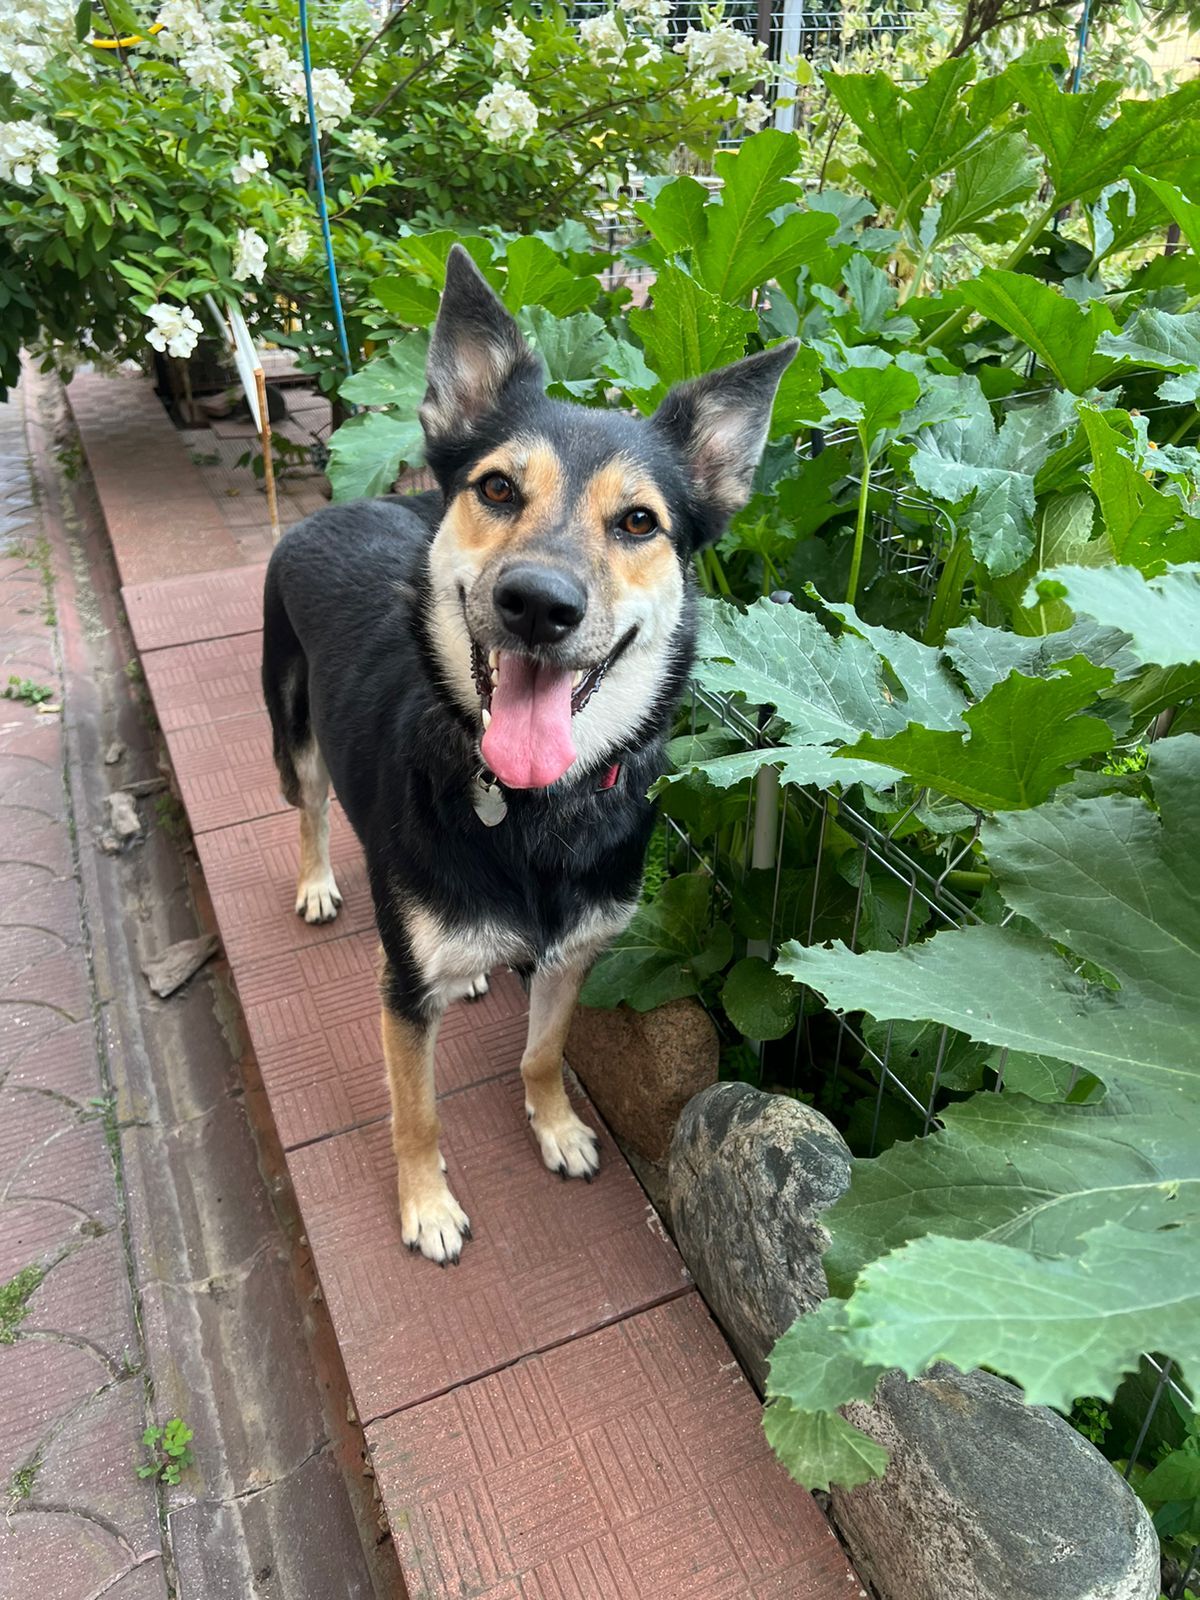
(619, 487)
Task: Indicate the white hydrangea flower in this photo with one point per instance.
(507, 115)
(511, 48)
(652, 14)
(249, 166)
(275, 67)
(602, 38)
(752, 112)
(296, 240)
(25, 148)
(366, 144)
(250, 259)
(208, 67)
(32, 35)
(332, 97)
(176, 329)
(721, 51)
(185, 25)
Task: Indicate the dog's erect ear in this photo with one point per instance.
(475, 352)
(719, 423)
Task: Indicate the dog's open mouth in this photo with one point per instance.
(527, 709)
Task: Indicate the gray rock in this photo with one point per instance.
(179, 962)
(986, 1498)
(748, 1177)
(114, 753)
(642, 1068)
(124, 824)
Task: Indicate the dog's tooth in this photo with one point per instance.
(576, 680)
(494, 660)
(487, 717)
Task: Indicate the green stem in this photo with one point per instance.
(1017, 254)
(1188, 422)
(948, 599)
(860, 526)
(913, 286)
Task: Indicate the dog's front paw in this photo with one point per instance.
(317, 899)
(435, 1224)
(569, 1147)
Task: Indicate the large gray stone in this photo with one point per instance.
(748, 1177)
(986, 1498)
(642, 1068)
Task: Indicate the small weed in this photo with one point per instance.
(169, 1452)
(171, 816)
(33, 694)
(1118, 766)
(20, 1485)
(14, 1301)
(205, 458)
(70, 459)
(133, 670)
(1090, 1418)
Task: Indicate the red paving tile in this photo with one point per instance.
(187, 610)
(199, 684)
(226, 772)
(313, 1016)
(628, 1465)
(549, 1259)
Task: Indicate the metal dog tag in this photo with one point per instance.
(488, 800)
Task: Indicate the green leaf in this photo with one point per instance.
(1111, 880)
(985, 655)
(989, 471)
(1184, 212)
(1146, 528)
(1175, 1478)
(675, 217)
(797, 398)
(1026, 735)
(974, 1303)
(1062, 333)
(537, 277)
(666, 951)
(1161, 614)
(820, 1448)
(995, 177)
(922, 690)
(578, 351)
(760, 1002)
(873, 399)
(367, 452)
(395, 378)
(83, 20)
(407, 299)
(687, 331)
(1165, 341)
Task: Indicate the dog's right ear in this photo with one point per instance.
(475, 353)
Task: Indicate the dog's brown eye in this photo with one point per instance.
(639, 522)
(497, 488)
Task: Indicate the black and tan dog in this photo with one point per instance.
(488, 675)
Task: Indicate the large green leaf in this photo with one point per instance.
(994, 177)
(1110, 880)
(670, 946)
(1025, 738)
(872, 398)
(406, 298)
(1161, 614)
(989, 472)
(1182, 210)
(581, 357)
(1165, 341)
(536, 277)
(744, 245)
(1062, 333)
(367, 452)
(1146, 528)
(396, 378)
(688, 331)
(985, 655)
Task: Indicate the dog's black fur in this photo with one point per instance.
(378, 620)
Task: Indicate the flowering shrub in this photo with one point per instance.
(178, 163)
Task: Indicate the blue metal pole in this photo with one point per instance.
(339, 320)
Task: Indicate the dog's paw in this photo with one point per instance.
(318, 899)
(436, 1225)
(478, 988)
(569, 1147)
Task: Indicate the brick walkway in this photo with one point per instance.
(77, 1520)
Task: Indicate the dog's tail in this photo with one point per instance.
(285, 686)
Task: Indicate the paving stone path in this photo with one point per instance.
(75, 1519)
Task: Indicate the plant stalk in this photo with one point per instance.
(860, 525)
(1017, 254)
(948, 598)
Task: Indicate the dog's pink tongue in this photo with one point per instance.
(528, 744)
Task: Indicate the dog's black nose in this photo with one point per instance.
(539, 604)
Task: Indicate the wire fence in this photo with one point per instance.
(884, 1067)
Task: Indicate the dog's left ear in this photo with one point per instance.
(719, 423)
(475, 352)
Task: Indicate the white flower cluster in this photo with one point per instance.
(25, 148)
(507, 115)
(249, 166)
(721, 51)
(284, 76)
(601, 36)
(190, 35)
(654, 15)
(31, 35)
(753, 112)
(275, 67)
(250, 259)
(366, 144)
(176, 328)
(511, 48)
(296, 240)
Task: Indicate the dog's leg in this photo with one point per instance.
(317, 897)
(431, 1219)
(568, 1145)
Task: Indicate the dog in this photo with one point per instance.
(488, 675)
